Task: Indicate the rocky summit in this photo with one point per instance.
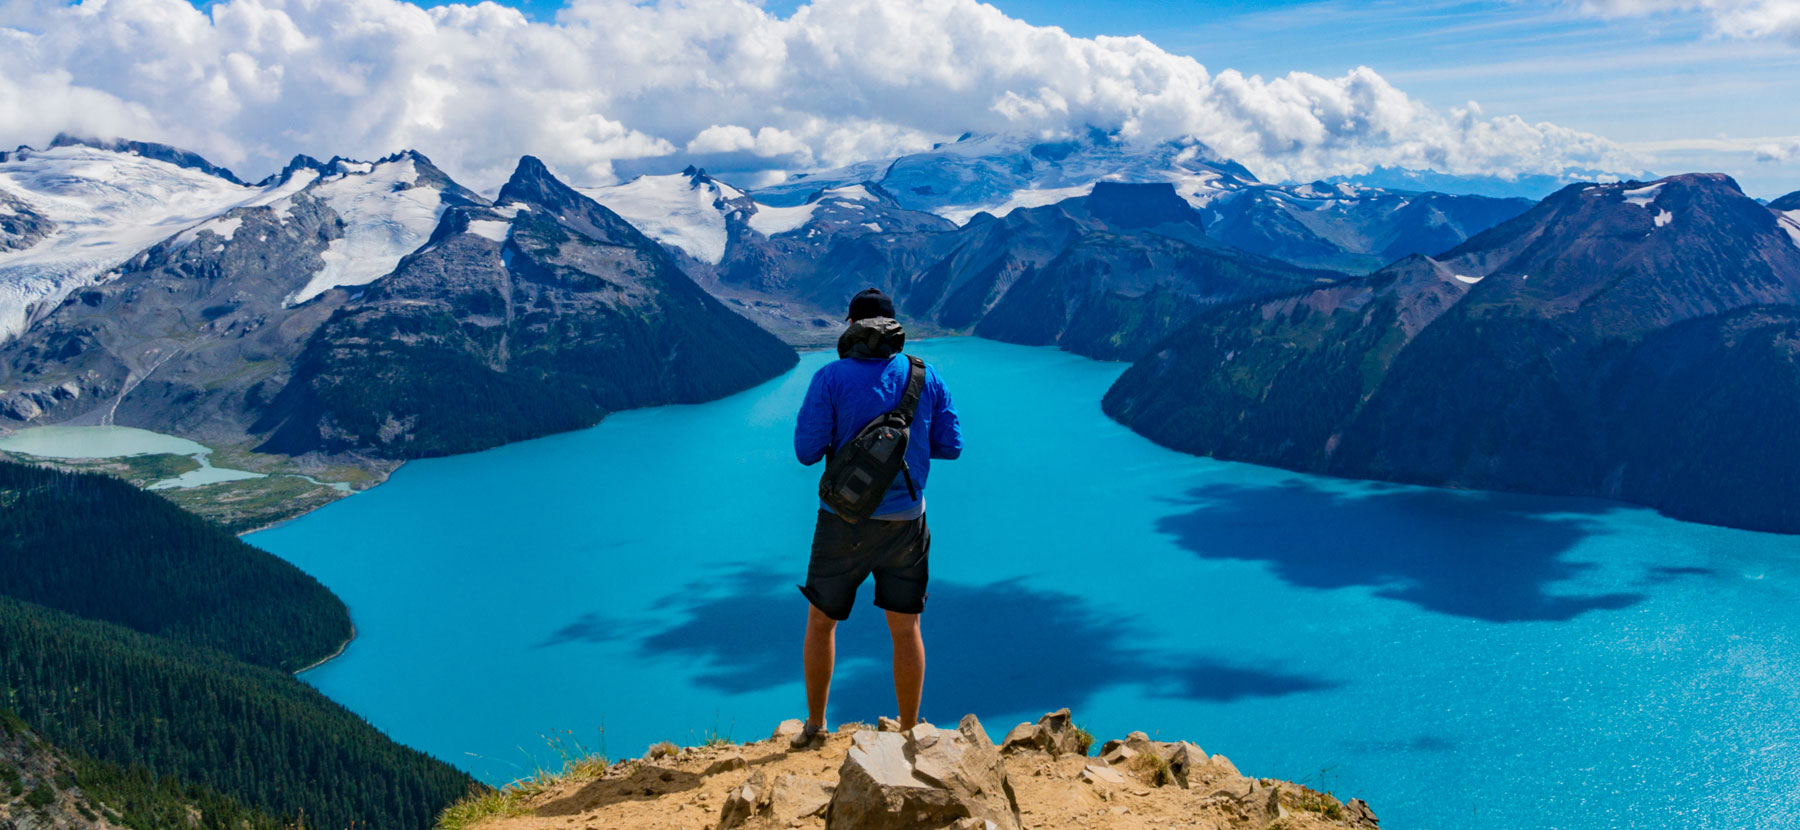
(927, 778)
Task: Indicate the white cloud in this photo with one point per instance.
(1779, 152)
(250, 82)
(1732, 18)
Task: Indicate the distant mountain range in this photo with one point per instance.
(1638, 341)
(381, 309)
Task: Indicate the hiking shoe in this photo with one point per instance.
(810, 736)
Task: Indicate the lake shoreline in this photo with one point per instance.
(334, 655)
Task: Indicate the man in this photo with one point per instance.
(894, 544)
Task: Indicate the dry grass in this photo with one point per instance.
(1152, 767)
(578, 764)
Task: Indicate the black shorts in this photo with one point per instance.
(844, 554)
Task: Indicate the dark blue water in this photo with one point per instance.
(1460, 659)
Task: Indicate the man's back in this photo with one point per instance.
(893, 545)
(849, 392)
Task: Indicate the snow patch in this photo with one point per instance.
(1018, 200)
(384, 220)
(225, 228)
(108, 207)
(853, 193)
(873, 228)
(1790, 222)
(1468, 279)
(1643, 196)
(1663, 217)
(769, 220)
(672, 210)
(490, 228)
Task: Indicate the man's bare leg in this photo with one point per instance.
(909, 665)
(821, 652)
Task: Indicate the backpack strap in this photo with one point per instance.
(915, 389)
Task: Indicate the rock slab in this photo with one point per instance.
(923, 778)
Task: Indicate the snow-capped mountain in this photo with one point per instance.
(169, 297)
(73, 213)
(1000, 173)
(1345, 227)
(699, 216)
(389, 208)
(685, 211)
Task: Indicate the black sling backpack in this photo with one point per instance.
(859, 473)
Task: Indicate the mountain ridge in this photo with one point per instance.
(1544, 355)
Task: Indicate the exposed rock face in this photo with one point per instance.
(537, 315)
(923, 778)
(273, 323)
(1633, 341)
(39, 790)
(20, 226)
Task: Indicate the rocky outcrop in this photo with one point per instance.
(924, 777)
(1054, 733)
(931, 778)
(39, 789)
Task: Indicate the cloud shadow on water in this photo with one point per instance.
(1480, 555)
(1002, 647)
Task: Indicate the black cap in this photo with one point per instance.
(870, 302)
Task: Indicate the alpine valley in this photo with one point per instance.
(1637, 341)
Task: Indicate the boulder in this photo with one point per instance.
(886, 724)
(923, 778)
(788, 729)
(787, 799)
(791, 797)
(1054, 733)
(1187, 762)
(1117, 752)
(741, 802)
(1359, 813)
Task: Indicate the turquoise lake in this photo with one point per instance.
(1459, 659)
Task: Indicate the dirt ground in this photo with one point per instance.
(688, 789)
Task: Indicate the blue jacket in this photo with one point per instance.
(847, 393)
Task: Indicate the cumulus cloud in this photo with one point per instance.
(1779, 152)
(612, 84)
(1732, 18)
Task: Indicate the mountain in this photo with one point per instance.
(1350, 228)
(163, 296)
(72, 213)
(153, 648)
(998, 173)
(538, 314)
(1632, 341)
(97, 547)
(1105, 274)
